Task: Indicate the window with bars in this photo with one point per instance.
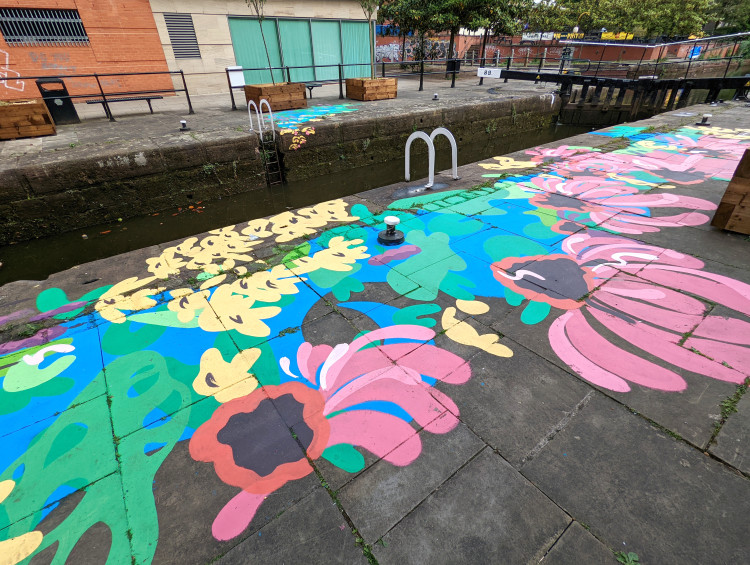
(26, 26)
(182, 36)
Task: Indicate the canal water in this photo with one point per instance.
(39, 258)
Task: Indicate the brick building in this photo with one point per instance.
(66, 37)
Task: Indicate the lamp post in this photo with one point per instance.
(575, 28)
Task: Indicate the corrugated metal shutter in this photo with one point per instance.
(182, 36)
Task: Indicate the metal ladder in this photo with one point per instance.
(269, 152)
(430, 140)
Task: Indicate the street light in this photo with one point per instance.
(575, 28)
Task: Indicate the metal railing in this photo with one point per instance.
(120, 93)
(541, 64)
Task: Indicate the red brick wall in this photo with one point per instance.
(122, 38)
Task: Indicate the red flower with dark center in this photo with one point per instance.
(249, 441)
(561, 280)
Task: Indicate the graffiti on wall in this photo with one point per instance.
(7, 73)
(244, 373)
(433, 49)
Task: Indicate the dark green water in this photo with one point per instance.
(39, 258)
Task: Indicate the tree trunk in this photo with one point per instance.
(450, 48)
(484, 43)
(372, 48)
(260, 22)
(403, 45)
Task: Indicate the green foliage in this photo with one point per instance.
(627, 558)
(668, 17)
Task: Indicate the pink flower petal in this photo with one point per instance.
(660, 344)
(236, 515)
(384, 435)
(566, 351)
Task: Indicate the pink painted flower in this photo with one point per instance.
(641, 295)
(651, 311)
(658, 166)
(337, 397)
(613, 205)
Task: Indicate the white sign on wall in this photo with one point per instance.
(486, 72)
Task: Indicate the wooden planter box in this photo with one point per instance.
(371, 88)
(25, 118)
(283, 96)
(733, 213)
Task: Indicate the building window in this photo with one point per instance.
(23, 26)
(182, 36)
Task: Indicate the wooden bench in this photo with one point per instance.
(109, 100)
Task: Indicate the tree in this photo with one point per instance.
(452, 15)
(501, 17)
(370, 7)
(257, 6)
(416, 16)
(734, 14)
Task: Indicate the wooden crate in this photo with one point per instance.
(25, 118)
(283, 96)
(733, 213)
(371, 89)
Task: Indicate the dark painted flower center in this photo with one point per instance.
(261, 441)
(557, 278)
(560, 201)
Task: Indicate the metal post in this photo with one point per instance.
(541, 61)
(656, 70)
(421, 75)
(453, 75)
(231, 91)
(690, 58)
(507, 68)
(341, 81)
(104, 100)
(638, 68)
(730, 59)
(596, 72)
(187, 95)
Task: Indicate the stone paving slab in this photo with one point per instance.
(381, 496)
(732, 441)
(640, 490)
(312, 531)
(576, 545)
(551, 351)
(509, 517)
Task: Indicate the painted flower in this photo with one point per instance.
(343, 396)
(612, 205)
(248, 440)
(655, 312)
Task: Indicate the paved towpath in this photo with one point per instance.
(549, 369)
(135, 128)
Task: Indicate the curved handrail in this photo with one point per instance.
(454, 147)
(270, 113)
(251, 103)
(431, 156)
(259, 114)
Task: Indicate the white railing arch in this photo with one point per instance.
(430, 141)
(251, 105)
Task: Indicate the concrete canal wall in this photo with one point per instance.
(80, 186)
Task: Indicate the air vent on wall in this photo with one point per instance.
(23, 27)
(182, 36)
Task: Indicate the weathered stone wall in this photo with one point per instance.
(72, 190)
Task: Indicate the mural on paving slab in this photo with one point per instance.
(257, 353)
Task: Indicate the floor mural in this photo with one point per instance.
(228, 364)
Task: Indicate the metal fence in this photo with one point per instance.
(101, 94)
